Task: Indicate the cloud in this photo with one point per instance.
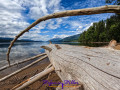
(89, 3)
(45, 31)
(11, 19)
(16, 15)
(39, 8)
(54, 24)
(76, 27)
(45, 7)
(35, 36)
(60, 36)
(83, 28)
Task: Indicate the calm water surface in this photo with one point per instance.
(23, 50)
(20, 51)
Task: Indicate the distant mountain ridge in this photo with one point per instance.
(67, 39)
(55, 39)
(71, 38)
(2, 39)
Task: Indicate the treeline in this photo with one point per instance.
(103, 31)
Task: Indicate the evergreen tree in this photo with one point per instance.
(103, 31)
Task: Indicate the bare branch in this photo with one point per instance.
(88, 11)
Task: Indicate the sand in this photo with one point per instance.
(22, 76)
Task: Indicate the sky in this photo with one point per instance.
(16, 15)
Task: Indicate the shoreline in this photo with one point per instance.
(29, 72)
(26, 74)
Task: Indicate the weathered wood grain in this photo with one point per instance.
(95, 68)
(22, 61)
(29, 65)
(34, 78)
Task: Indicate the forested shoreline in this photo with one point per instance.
(102, 31)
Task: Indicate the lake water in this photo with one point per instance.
(23, 50)
(20, 51)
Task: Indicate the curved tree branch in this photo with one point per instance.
(88, 11)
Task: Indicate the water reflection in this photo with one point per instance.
(20, 51)
(83, 44)
(23, 50)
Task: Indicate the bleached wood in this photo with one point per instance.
(27, 80)
(57, 46)
(88, 11)
(36, 77)
(22, 61)
(96, 68)
(47, 48)
(107, 65)
(112, 44)
(48, 66)
(29, 65)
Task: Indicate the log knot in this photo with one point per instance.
(47, 48)
(112, 44)
(57, 46)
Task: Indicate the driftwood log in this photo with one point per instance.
(35, 78)
(97, 68)
(29, 65)
(27, 80)
(88, 11)
(112, 44)
(22, 61)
